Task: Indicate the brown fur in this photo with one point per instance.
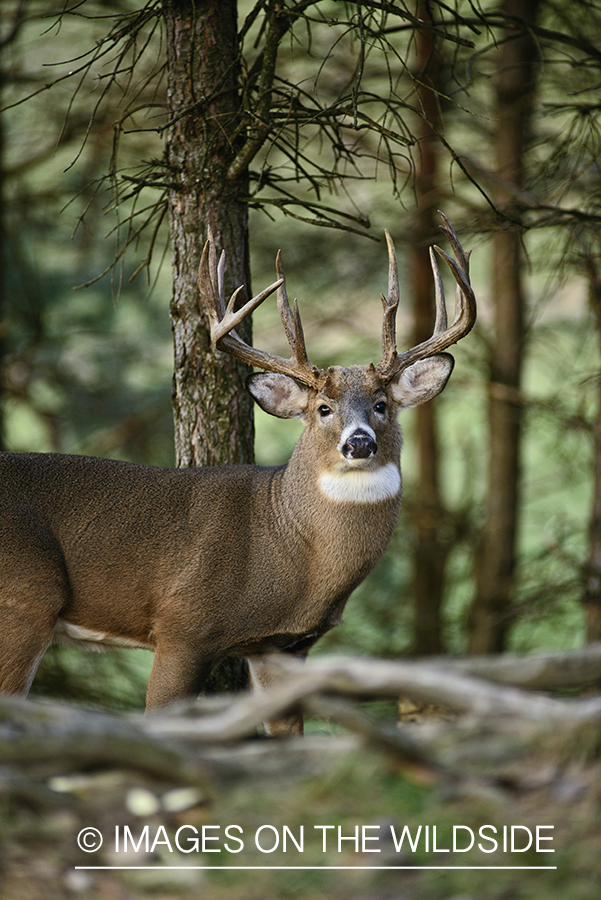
(196, 563)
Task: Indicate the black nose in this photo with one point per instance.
(360, 445)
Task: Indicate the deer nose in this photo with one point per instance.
(359, 445)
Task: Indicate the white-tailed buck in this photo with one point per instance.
(197, 564)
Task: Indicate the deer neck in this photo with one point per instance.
(353, 508)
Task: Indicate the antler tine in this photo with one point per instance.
(224, 320)
(465, 309)
(389, 305)
(284, 310)
(292, 322)
(440, 322)
(460, 254)
(208, 284)
(462, 257)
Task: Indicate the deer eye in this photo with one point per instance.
(380, 407)
(324, 410)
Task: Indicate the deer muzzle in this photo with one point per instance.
(359, 445)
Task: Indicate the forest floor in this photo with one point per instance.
(465, 779)
(332, 802)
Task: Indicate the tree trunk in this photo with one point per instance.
(490, 616)
(426, 509)
(592, 588)
(212, 409)
(3, 278)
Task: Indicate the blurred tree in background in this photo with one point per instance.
(518, 64)
(158, 123)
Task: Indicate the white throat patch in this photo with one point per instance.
(362, 485)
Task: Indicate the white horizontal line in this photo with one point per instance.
(317, 868)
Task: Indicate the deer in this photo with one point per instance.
(201, 563)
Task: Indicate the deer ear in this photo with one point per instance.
(279, 395)
(423, 380)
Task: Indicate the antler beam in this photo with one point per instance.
(223, 320)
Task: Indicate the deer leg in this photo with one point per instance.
(33, 589)
(22, 645)
(178, 672)
(262, 677)
(30, 602)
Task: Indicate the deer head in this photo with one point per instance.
(323, 398)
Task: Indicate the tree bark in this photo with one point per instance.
(490, 616)
(213, 419)
(212, 410)
(426, 509)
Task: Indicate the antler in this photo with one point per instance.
(224, 320)
(465, 308)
